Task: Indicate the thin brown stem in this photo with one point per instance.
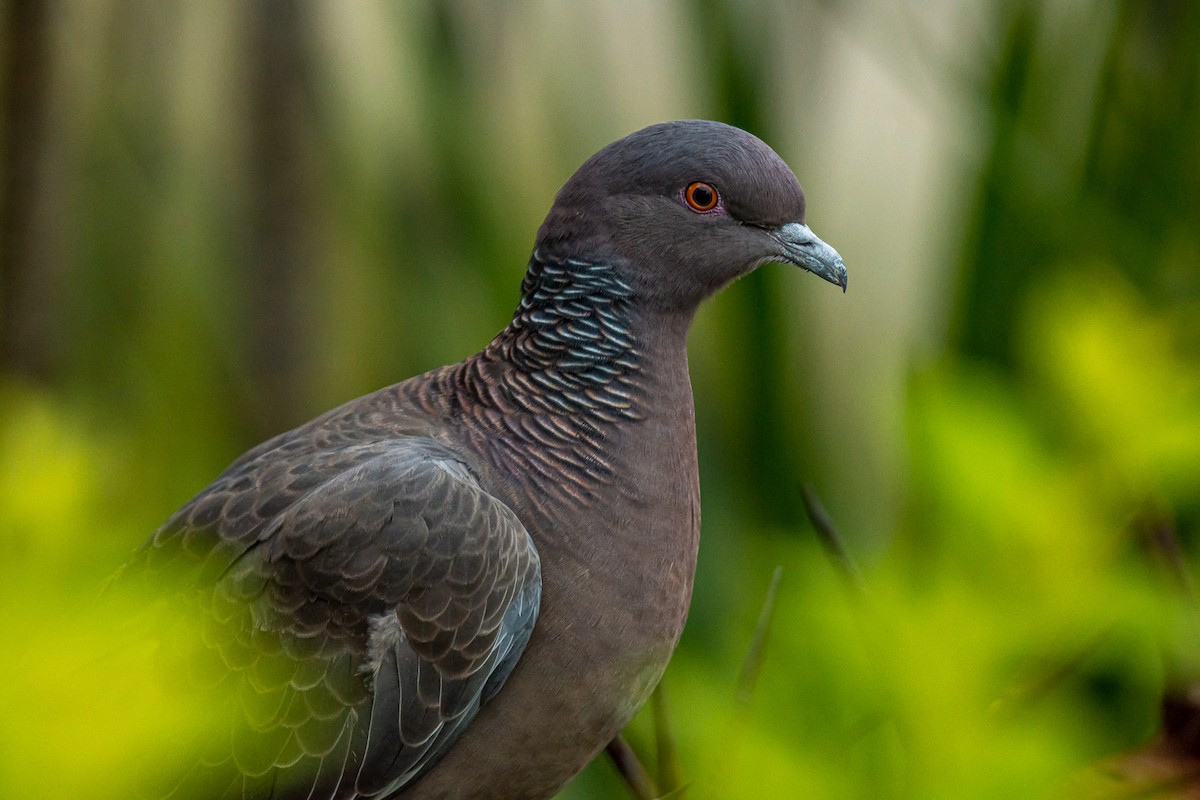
(631, 770)
(669, 780)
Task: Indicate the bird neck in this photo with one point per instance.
(571, 347)
(576, 368)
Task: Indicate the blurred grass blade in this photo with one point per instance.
(830, 540)
(758, 647)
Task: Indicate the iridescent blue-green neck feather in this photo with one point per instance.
(570, 344)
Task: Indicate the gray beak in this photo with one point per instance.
(802, 248)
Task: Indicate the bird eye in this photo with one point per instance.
(701, 196)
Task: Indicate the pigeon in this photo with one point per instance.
(465, 584)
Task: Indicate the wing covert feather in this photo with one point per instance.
(369, 600)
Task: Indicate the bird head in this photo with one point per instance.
(682, 209)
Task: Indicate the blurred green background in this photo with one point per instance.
(221, 218)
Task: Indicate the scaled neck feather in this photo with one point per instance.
(543, 397)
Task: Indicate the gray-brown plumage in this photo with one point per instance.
(464, 585)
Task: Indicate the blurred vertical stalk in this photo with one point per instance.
(281, 216)
(1001, 260)
(1134, 201)
(737, 73)
(25, 322)
(1141, 154)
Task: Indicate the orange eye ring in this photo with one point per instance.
(701, 196)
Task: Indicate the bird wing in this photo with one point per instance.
(364, 603)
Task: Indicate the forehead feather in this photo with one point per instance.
(756, 185)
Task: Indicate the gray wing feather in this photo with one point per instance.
(366, 601)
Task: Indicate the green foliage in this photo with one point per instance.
(85, 706)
